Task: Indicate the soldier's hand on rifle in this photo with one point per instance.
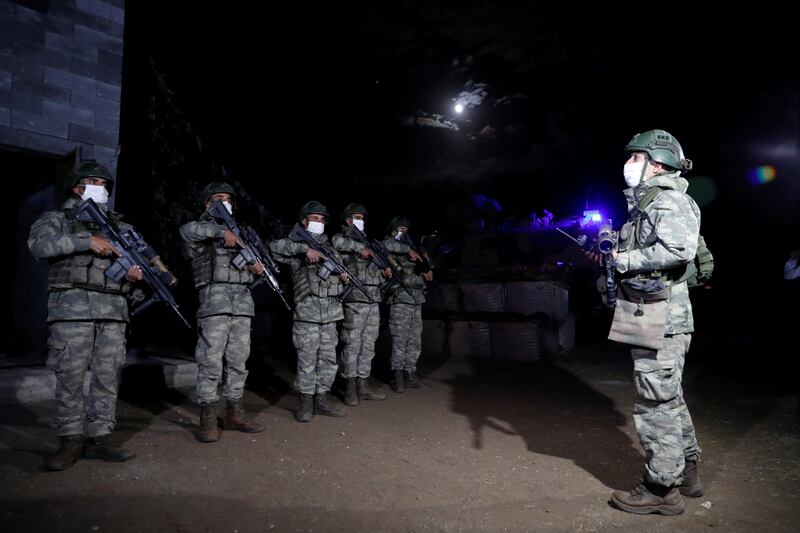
(386, 273)
(414, 256)
(344, 278)
(256, 268)
(365, 253)
(102, 246)
(230, 239)
(314, 256)
(428, 275)
(134, 274)
(594, 256)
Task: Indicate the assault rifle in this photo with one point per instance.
(380, 256)
(605, 243)
(331, 265)
(252, 252)
(133, 251)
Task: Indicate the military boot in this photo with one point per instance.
(364, 392)
(411, 380)
(208, 430)
(399, 382)
(102, 447)
(351, 395)
(325, 406)
(649, 498)
(70, 449)
(235, 419)
(306, 411)
(691, 485)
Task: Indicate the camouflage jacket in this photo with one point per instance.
(77, 286)
(666, 242)
(222, 288)
(315, 299)
(365, 269)
(414, 291)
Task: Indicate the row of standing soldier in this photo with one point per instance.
(88, 311)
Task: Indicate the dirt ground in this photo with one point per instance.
(489, 446)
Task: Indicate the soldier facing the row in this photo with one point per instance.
(224, 316)
(654, 314)
(87, 315)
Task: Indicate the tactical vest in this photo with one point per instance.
(83, 270)
(695, 273)
(214, 265)
(308, 282)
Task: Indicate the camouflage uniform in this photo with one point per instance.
(361, 317)
(87, 318)
(226, 309)
(667, 240)
(405, 311)
(316, 311)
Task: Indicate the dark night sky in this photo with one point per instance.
(305, 102)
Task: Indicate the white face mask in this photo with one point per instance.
(359, 224)
(98, 193)
(633, 173)
(228, 206)
(399, 235)
(317, 228)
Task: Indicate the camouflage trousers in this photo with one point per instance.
(362, 322)
(316, 356)
(405, 326)
(221, 336)
(662, 419)
(78, 348)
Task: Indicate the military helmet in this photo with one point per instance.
(91, 169)
(661, 147)
(312, 208)
(352, 209)
(213, 188)
(396, 222)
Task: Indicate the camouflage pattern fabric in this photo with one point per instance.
(667, 239)
(75, 349)
(365, 269)
(414, 291)
(359, 332)
(222, 336)
(660, 413)
(316, 356)
(664, 241)
(405, 326)
(314, 298)
(223, 289)
(52, 237)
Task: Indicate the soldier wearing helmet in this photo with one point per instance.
(224, 317)
(405, 307)
(654, 314)
(316, 312)
(87, 320)
(361, 314)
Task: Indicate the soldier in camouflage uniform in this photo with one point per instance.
(224, 316)
(405, 308)
(87, 319)
(316, 312)
(656, 244)
(362, 318)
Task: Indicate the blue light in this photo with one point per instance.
(590, 216)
